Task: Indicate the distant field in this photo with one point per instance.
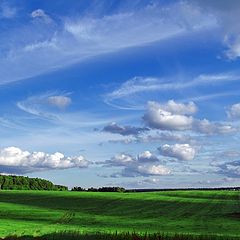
(183, 212)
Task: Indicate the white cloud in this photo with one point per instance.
(59, 101)
(234, 111)
(207, 97)
(180, 151)
(40, 13)
(135, 85)
(51, 44)
(39, 105)
(156, 117)
(144, 164)
(156, 137)
(144, 84)
(123, 30)
(153, 170)
(69, 40)
(15, 160)
(121, 160)
(179, 108)
(210, 128)
(133, 93)
(233, 51)
(148, 157)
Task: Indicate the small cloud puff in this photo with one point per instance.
(180, 151)
(59, 101)
(40, 13)
(234, 112)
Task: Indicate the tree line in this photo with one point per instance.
(10, 182)
(101, 189)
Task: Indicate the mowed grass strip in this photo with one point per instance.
(183, 212)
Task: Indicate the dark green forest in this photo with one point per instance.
(9, 182)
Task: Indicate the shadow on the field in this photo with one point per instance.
(95, 205)
(116, 236)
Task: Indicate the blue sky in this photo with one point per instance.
(139, 94)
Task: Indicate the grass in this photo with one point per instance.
(39, 213)
(116, 236)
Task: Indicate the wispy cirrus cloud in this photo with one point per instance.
(133, 93)
(39, 105)
(56, 42)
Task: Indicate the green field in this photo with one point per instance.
(188, 212)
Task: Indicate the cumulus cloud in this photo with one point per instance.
(178, 108)
(123, 130)
(120, 160)
(229, 169)
(144, 164)
(153, 170)
(15, 160)
(234, 111)
(210, 128)
(143, 170)
(59, 101)
(180, 151)
(156, 117)
(124, 159)
(148, 157)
